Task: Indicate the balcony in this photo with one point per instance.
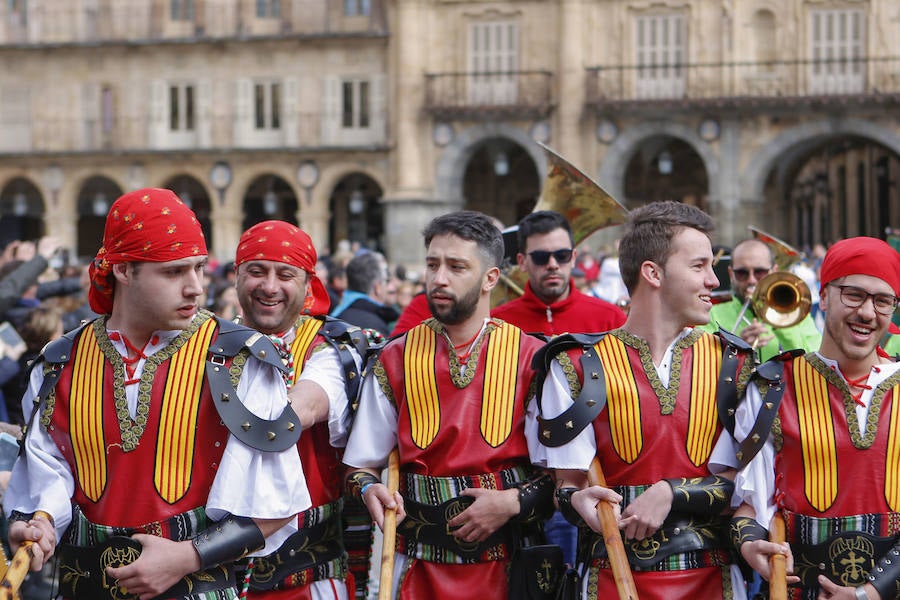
(859, 81)
(64, 23)
(503, 95)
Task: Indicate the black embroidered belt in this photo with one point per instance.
(844, 558)
(83, 572)
(681, 543)
(427, 524)
(309, 547)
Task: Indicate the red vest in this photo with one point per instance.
(450, 424)
(321, 462)
(647, 433)
(824, 463)
(129, 472)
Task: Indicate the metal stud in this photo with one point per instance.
(729, 379)
(755, 438)
(291, 426)
(546, 433)
(245, 426)
(730, 412)
(262, 354)
(225, 397)
(595, 375)
(570, 425)
(740, 455)
(769, 406)
(270, 435)
(591, 403)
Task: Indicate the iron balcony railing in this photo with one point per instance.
(489, 94)
(65, 22)
(745, 82)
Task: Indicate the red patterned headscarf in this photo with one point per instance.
(148, 225)
(862, 256)
(282, 242)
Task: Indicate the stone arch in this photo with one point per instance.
(767, 158)
(611, 173)
(451, 164)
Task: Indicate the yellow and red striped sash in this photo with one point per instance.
(622, 403)
(178, 416)
(499, 392)
(499, 399)
(86, 415)
(817, 439)
(303, 338)
(892, 464)
(707, 362)
(421, 385)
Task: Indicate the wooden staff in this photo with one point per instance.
(389, 529)
(615, 548)
(777, 562)
(18, 568)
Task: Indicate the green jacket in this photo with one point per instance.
(803, 335)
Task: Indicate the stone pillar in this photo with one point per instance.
(570, 62)
(726, 202)
(226, 220)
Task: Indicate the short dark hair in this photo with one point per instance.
(473, 226)
(542, 221)
(648, 235)
(365, 270)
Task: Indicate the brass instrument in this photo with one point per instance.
(585, 205)
(781, 299)
(785, 255)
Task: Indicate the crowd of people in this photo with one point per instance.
(202, 430)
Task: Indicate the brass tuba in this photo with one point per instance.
(781, 299)
(585, 205)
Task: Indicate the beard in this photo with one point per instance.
(459, 310)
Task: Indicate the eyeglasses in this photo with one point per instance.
(741, 274)
(542, 257)
(854, 297)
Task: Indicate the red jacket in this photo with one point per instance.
(578, 313)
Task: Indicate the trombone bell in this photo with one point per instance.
(781, 299)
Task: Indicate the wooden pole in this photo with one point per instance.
(389, 530)
(612, 537)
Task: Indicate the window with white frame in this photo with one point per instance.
(660, 56)
(181, 107)
(355, 104)
(181, 10)
(493, 62)
(267, 105)
(357, 8)
(837, 42)
(267, 9)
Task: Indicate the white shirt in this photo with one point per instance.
(248, 482)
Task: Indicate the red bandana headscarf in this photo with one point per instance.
(862, 256)
(282, 242)
(148, 225)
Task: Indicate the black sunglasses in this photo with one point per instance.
(542, 257)
(741, 274)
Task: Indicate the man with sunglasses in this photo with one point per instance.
(821, 433)
(751, 260)
(552, 304)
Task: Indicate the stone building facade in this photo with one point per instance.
(363, 119)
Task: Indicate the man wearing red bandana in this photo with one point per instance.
(282, 298)
(451, 394)
(820, 441)
(136, 459)
(647, 401)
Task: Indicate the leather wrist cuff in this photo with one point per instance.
(535, 499)
(357, 480)
(564, 502)
(745, 529)
(885, 577)
(19, 516)
(228, 540)
(701, 495)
